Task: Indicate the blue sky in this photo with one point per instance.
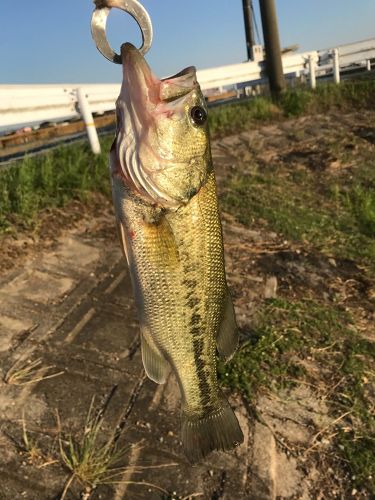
(49, 41)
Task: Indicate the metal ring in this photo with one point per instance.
(99, 21)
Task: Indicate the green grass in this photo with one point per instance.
(89, 459)
(51, 180)
(327, 213)
(284, 334)
(361, 203)
(294, 102)
(232, 118)
(337, 218)
(282, 331)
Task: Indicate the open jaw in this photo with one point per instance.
(145, 91)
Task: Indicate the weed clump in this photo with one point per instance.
(236, 117)
(29, 372)
(296, 102)
(361, 203)
(89, 460)
(94, 459)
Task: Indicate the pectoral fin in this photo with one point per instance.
(123, 240)
(227, 337)
(160, 243)
(156, 366)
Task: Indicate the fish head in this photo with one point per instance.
(162, 140)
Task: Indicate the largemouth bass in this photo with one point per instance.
(166, 207)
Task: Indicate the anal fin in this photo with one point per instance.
(227, 337)
(156, 366)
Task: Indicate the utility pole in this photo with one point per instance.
(249, 27)
(272, 46)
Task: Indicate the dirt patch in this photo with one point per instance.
(315, 160)
(366, 133)
(22, 242)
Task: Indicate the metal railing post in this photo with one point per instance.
(312, 72)
(336, 66)
(249, 28)
(85, 110)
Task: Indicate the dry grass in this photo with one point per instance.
(33, 451)
(29, 372)
(93, 460)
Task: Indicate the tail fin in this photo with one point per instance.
(218, 430)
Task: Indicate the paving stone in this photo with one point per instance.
(288, 477)
(38, 286)
(11, 327)
(73, 253)
(263, 469)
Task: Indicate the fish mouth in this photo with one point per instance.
(139, 82)
(144, 89)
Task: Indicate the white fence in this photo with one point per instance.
(26, 104)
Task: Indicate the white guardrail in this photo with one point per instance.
(26, 104)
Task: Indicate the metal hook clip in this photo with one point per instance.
(99, 21)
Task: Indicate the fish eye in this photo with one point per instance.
(198, 115)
